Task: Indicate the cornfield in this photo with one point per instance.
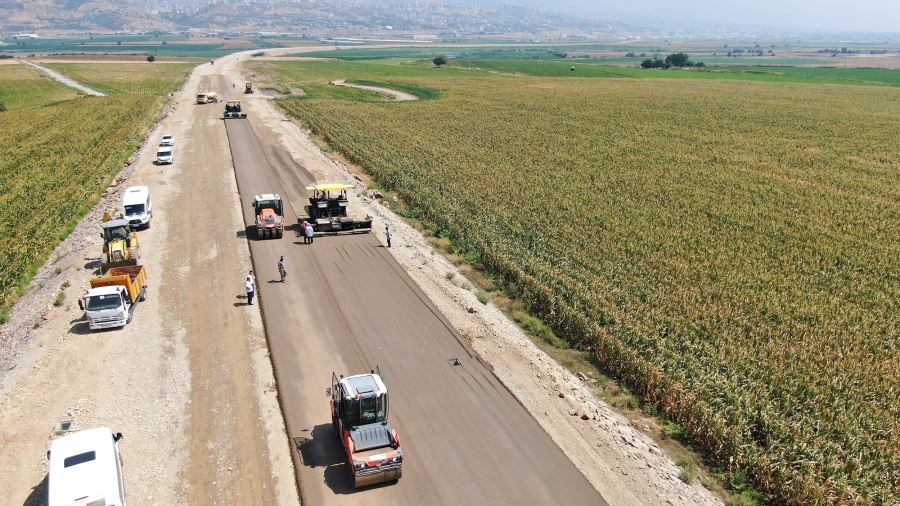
(729, 250)
(56, 159)
(129, 78)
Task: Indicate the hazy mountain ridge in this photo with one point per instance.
(288, 16)
(76, 15)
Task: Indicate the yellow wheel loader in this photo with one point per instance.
(120, 244)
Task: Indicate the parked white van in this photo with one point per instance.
(136, 206)
(86, 469)
(164, 155)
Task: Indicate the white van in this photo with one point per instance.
(86, 470)
(164, 155)
(136, 206)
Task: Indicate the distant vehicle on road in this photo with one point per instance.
(233, 110)
(164, 155)
(111, 299)
(86, 469)
(359, 411)
(136, 206)
(207, 97)
(167, 140)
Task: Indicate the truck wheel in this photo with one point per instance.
(130, 315)
(143, 296)
(279, 234)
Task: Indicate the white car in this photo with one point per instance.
(167, 140)
(164, 155)
(86, 469)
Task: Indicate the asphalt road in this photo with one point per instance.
(347, 306)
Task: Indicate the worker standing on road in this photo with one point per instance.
(281, 270)
(387, 235)
(309, 233)
(303, 226)
(250, 285)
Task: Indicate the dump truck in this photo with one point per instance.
(359, 411)
(248, 89)
(110, 301)
(327, 210)
(269, 211)
(207, 97)
(120, 244)
(233, 110)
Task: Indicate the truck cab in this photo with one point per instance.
(107, 307)
(359, 410)
(86, 469)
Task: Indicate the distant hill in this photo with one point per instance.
(314, 17)
(26, 16)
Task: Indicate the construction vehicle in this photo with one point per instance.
(327, 210)
(248, 89)
(233, 110)
(359, 411)
(269, 211)
(120, 244)
(112, 296)
(207, 97)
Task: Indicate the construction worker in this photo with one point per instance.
(250, 285)
(281, 270)
(387, 235)
(309, 232)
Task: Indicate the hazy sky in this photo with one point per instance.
(831, 15)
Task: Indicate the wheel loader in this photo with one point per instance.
(359, 411)
(120, 244)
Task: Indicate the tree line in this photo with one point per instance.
(673, 60)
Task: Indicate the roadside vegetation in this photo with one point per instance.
(56, 159)
(731, 258)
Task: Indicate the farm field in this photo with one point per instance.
(726, 248)
(22, 87)
(56, 158)
(131, 44)
(808, 75)
(129, 78)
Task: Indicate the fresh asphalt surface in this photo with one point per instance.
(348, 306)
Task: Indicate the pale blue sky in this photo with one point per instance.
(831, 15)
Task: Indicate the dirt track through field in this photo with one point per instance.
(398, 96)
(68, 81)
(347, 306)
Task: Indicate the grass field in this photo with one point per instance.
(137, 78)
(22, 87)
(56, 158)
(728, 249)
